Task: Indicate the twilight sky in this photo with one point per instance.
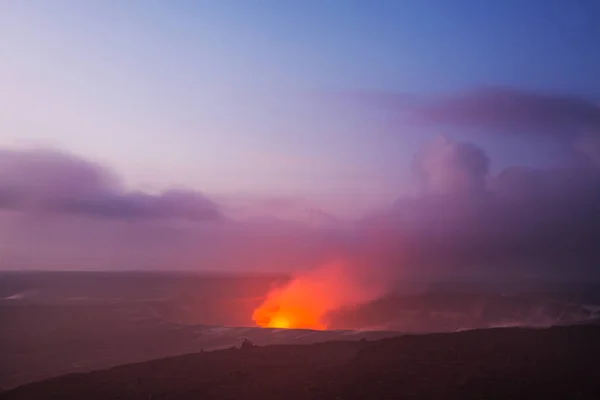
(216, 109)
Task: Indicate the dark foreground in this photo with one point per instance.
(58, 323)
(554, 363)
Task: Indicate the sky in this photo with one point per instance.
(315, 111)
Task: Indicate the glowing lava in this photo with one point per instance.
(279, 322)
(305, 300)
(293, 306)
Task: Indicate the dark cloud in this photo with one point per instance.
(54, 182)
(514, 111)
(448, 167)
(494, 110)
(38, 179)
(523, 218)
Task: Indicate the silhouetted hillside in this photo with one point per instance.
(515, 363)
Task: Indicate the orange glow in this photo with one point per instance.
(305, 300)
(279, 322)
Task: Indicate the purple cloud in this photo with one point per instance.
(54, 182)
(447, 167)
(522, 218)
(495, 110)
(514, 111)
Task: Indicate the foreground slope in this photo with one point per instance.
(57, 323)
(554, 363)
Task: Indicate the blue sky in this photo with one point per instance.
(212, 95)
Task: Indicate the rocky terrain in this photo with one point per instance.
(504, 363)
(57, 323)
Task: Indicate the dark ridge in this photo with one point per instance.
(507, 363)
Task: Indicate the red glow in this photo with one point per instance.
(304, 302)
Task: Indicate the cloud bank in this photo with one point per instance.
(463, 220)
(515, 111)
(57, 183)
(521, 219)
(496, 110)
(544, 220)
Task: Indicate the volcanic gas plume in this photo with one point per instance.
(304, 301)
